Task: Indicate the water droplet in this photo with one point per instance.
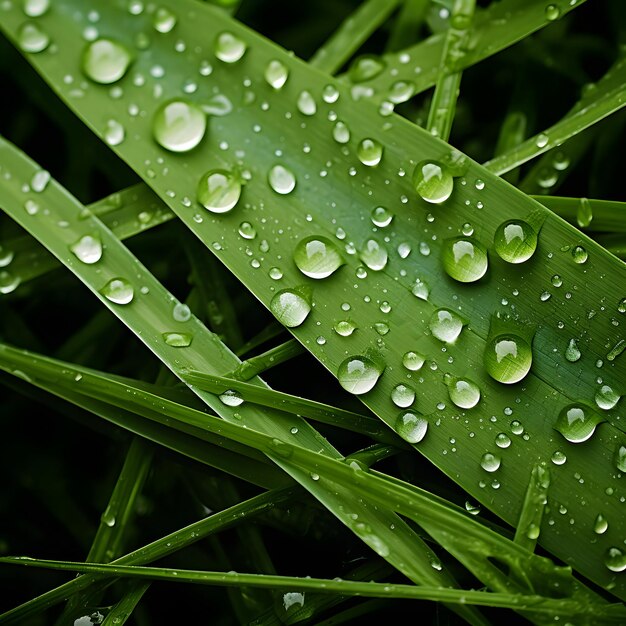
(281, 180)
(411, 427)
(620, 457)
(231, 398)
(502, 440)
(8, 282)
(114, 133)
(181, 312)
(579, 254)
(601, 525)
(445, 325)
(105, 61)
(374, 255)
(275, 273)
(403, 396)
(219, 191)
(490, 462)
(290, 307)
(163, 20)
(39, 181)
(341, 133)
(556, 280)
(615, 560)
(508, 358)
(401, 91)
(558, 457)
(542, 140)
(552, 12)
(420, 289)
(344, 327)
(88, 249)
(276, 74)
(35, 8)
(247, 230)
(317, 257)
(382, 328)
(32, 38)
(577, 422)
(464, 393)
(365, 68)
(118, 290)
(381, 217)
(179, 126)
(330, 94)
(306, 103)
(464, 259)
(370, 152)
(413, 361)
(358, 374)
(177, 340)
(572, 353)
(6, 256)
(472, 509)
(584, 213)
(229, 48)
(616, 350)
(515, 241)
(433, 181)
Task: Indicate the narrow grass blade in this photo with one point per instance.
(256, 365)
(122, 610)
(406, 25)
(601, 215)
(533, 508)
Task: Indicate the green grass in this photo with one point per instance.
(312, 481)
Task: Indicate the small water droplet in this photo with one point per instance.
(577, 422)
(620, 457)
(572, 353)
(552, 12)
(39, 181)
(584, 213)
(558, 457)
(105, 61)
(35, 8)
(247, 230)
(403, 396)
(276, 74)
(358, 374)
(369, 152)
(341, 132)
(490, 462)
(411, 427)
(472, 509)
(88, 249)
(114, 133)
(281, 180)
(433, 181)
(381, 217)
(290, 307)
(179, 126)
(413, 361)
(502, 440)
(542, 140)
(445, 325)
(31, 38)
(464, 259)
(508, 358)
(181, 312)
(615, 560)
(579, 254)
(306, 103)
(8, 282)
(365, 68)
(601, 524)
(231, 398)
(374, 255)
(515, 241)
(420, 289)
(344, 328)
(163, 20)
(464, 393)
(317, 257)
(177, 340)
(219, 191)
(229, 48)
(118, 290)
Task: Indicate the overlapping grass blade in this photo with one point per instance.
(571, 312)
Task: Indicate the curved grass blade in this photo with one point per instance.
(562, 317)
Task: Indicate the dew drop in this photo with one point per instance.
(118, 290)
(8, 282)
(615, 560)
(374, 255)
(105, 61)
(177, 340)
(601, 524)
(381, 217)
(341, 132)
(508, 358)
(464, 393)
(620, 457)
(179, 126)
(365, 68)
(579, 254)
(231, 398)
(358, 374)
(413, 361)
(445, 325)
(181, 312)
(114, 133)
(229, 48)
(317, 257)
(403, 396)
(276, 74)
(88, 249)
(281, 180)
(464, 259)
(31, 38)
(369, 152)
(584, 213)
(552, 12)
(344, 328)
(219, 191)
(515, 241)
(577, 422)
(163, 20)
(558, 457)
(420, 289)
(35, 8)
(40, 181)
(572, 352)
(306, 103)
(290, 307)
(433, 181)
(502, 440)
(411, 427)
(247, 230)
(490, 462)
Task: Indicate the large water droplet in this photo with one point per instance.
(231, 398)
(579, 254)
(118, 290)
(290, 307)
(552, 12)
(420, 289)
(413, 361)
(114, 133)
(572, 353)
(374, 255)
(306, 103)
(370, 152)
(433, 181)
(601, 524)
(31, 38)
(584, 213)
(515, 241)
(179, 126)
(403, 396)
(577, 422)
(281, 180)
(381, 216)
(35, 8)
(508, 358)
(365, 68)
(490, 462)
(105, 61)
(163, 20)
(219, 191)
(615, 560)
(445, 325)
(40, 180)
(317, 257)
(181, 312)
(177, 340)
(464, 259)
(88, 249)
(276, 74)
(229, 48)
(411, 427)
(358, 374)
(464, 393)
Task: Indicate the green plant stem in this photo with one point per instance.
(122, 610)
(271, 358)
(406, 26)
(533, 507)
(347, 39)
